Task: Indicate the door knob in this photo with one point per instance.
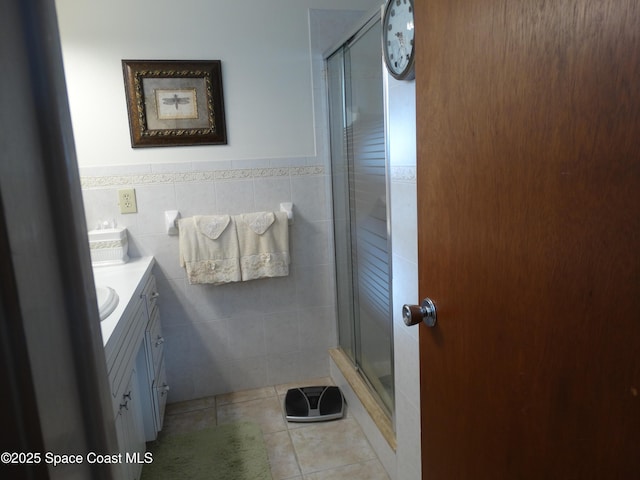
(414, 314)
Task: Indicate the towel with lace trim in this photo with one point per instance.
(263, 238)
(209, 249)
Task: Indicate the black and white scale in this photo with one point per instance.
(314, 404)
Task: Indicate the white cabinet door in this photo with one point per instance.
(129, 431)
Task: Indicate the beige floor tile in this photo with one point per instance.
(371, 470)
(322, 446)
(190, 421)
(245, 395)
(282, 457)
(335, 450)
(265, 411)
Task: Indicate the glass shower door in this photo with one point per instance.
(360, 208)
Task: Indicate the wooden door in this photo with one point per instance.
(528, 116)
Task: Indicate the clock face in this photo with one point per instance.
(397, 38)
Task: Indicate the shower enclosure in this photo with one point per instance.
(360, 207)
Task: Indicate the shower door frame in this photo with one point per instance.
(341, 47)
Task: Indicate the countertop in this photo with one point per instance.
(126, 280)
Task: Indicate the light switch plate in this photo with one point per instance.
(127, 200)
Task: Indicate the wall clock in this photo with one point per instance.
(397, 39)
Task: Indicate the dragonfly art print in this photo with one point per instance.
(176, 100)
(176, 104)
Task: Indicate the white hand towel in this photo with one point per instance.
(259, 222)
(209, 249)
(213, 225)
(263, 238)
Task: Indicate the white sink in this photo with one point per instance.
(107, 300)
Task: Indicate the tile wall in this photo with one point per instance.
(404, 241)
(246, 335)
(243, 335)
(406, 345)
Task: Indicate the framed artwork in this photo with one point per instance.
(177, 102)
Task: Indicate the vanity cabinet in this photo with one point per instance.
(134, 348)
(151, 360)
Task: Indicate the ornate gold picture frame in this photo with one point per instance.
(177, 102)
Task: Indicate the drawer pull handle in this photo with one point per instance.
(126, 397)
(154, 295)
(159, 341)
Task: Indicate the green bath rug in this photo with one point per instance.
(233, 451)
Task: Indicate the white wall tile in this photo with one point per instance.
(317, 328)
(283, 367)
(408, 437)
(247, 373)
(313, 363)
(404, 219)
(407, 356)
(165, 250)
(310, 242)
(282, 332)
(271, 192)
(278, 294)
(152, 201)
(246, 336)
(309, 196)
(314, 286)
(234, 197)
(195, 199)
(206, 301)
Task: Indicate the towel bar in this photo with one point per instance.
(171, 217)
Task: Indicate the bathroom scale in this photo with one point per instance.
(314, 404)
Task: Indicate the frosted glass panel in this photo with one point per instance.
(341, 213)
(360, 209)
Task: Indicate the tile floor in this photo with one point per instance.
(333, 450)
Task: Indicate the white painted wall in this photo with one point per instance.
(266, 67)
